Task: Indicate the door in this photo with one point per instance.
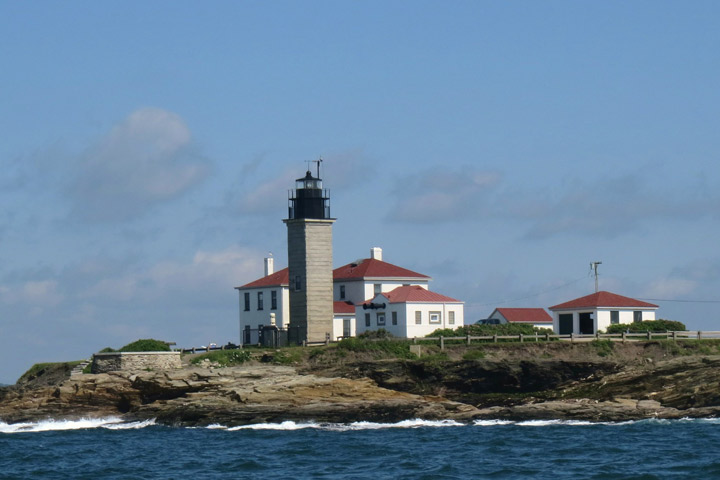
(346, 327)
(586, 323)
(565, 323)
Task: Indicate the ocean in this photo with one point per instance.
(416, 449)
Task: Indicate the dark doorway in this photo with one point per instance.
(586, 323)
(565, 323)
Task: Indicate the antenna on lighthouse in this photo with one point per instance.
(594, 266)
(318, 162)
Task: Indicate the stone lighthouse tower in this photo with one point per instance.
(310, 260)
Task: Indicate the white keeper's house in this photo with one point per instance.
(595, 312)
(410, 309)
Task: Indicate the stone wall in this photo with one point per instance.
(134, 361)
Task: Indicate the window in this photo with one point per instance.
(394, 318)
(451, 318)
(435, 317)
(637, 316)
(298, 283)
(247, 301)
(260, 300)
(377, 288)
(342, 292)
(367, 319)
(614, 317)
(418, 317)
(273, 300)
(381, 318)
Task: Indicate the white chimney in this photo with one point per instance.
(376, 253)
(269, 266)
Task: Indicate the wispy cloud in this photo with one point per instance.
(147, 159)
(438, 195)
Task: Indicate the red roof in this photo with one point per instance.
(277, 279)
(372, 268)
(416, 294)
(603, 299)
(525, 315)
(344, 307)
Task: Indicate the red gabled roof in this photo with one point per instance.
(277, 279)
(344, 307)
(416, 294)
(372, 268)
(603, 299)
(525, 315)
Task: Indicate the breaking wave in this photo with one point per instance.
(110, 423)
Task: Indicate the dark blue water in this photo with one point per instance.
(638, 450)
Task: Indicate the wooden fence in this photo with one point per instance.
(546, 337)
(576, 337)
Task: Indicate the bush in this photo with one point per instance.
(648, 326)
(146, 345)
(224, 358)
(107, 350)
(379, 333)
(395, 348)
(486, 330)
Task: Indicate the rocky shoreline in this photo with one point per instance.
(383, 390)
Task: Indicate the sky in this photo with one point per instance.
(147, 150)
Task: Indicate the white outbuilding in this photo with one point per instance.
(593, 313)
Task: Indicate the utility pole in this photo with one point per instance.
(594, 266)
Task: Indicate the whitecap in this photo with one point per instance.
(113, 423)
(491, 423)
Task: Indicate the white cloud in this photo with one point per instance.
(438, 195)
(145, 160)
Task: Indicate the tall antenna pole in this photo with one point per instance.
(594, 266)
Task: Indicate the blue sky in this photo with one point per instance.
(499, 147)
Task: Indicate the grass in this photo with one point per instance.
(223, 358)
(475, 354)
(40, 368)
(382, 347)
(604, 347)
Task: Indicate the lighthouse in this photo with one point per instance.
(309, 227)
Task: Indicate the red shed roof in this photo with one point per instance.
(525, 315)
(277, 279)
(603, 299)
(344, 307)
(416, 294)
(372, 268)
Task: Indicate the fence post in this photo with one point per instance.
(572, 337)
(468, 339)
(547, 337)
(673, 335)
(442, 342)
(495, 337)
(521, 337)
(699, 335)
(623, 336)
(414, 340)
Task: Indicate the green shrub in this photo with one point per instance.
(476, 330)
(107, 350)
(648, 326)
(604, 347)
(375, 334)
(224, 358)
(146, 345)
(395, 348)
(475, 354)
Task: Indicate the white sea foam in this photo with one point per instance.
(491, 423)
(111, 423)
(342, 427)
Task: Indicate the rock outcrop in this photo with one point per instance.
(228, 396)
